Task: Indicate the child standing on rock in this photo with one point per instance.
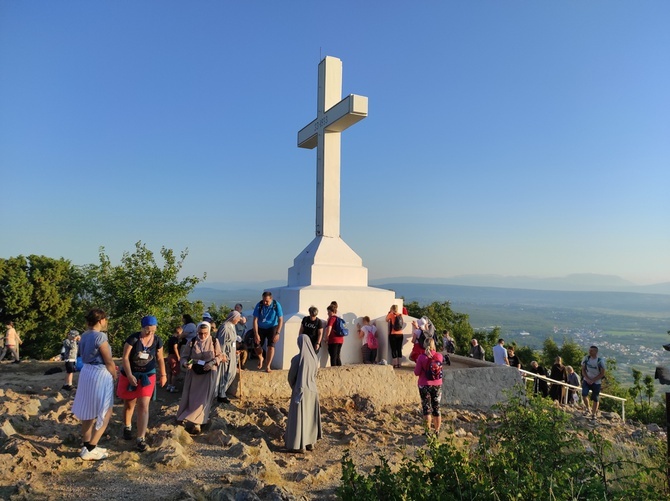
(69, 354)
(368, 335)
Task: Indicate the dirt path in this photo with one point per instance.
(241, 449)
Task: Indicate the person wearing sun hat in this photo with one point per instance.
(142, 358)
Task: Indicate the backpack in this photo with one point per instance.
(372, 341)
(248, 339)
(434, 370)
(340, 327)
(398, 323)
(260, 305)
(599, 363)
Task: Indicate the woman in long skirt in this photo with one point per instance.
(200, 359)
(227, 337)
(95, 392)
(303, 427)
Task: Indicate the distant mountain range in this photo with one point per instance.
(576, 282)
(581, 282)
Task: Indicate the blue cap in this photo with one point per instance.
(149, 320)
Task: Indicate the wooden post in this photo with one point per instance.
(239, 372)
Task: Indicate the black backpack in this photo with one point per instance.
(248, 339)
(398, 323)
(260, 305)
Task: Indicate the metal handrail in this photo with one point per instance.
(553, 381)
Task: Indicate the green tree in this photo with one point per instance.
(15, 289)
(39, 294)
(139, 286)
(649, 389)
(550, 351)
(444, 318)
(635, 391)
(526, 356)
(572, 354)
(488, 338)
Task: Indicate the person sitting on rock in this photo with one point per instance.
(476, 350)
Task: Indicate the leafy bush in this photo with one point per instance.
(527, 452)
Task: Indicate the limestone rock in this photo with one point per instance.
(31, 407)
(219, 437)
(240, 451)
(275, 493)
(171, 455)
(6, 430)
(364, 404)
(232, 494)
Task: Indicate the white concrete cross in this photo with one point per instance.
(333, 115)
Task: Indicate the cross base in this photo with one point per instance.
(354, 303)
(328, 261)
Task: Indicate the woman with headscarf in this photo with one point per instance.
(142, 354)
(227, 337)
(200, 359)
(303, 427)
(95, 393)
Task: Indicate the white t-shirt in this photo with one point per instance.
(367, 330)
(592, 366)
(499, 354)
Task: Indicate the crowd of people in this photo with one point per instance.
(592, 373)
(205, 361)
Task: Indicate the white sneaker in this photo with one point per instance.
(95, 455)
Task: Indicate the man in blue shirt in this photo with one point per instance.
(500, 353)
(268, 321)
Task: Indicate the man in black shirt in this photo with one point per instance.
(313, 327)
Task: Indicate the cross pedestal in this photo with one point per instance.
(328, 269)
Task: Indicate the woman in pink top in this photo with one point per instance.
(429, 369)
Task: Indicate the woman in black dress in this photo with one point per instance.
(558, 374)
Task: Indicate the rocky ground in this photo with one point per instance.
(238, 456)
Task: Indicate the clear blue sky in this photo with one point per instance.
(512, 138)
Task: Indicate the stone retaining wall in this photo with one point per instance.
(466, 383)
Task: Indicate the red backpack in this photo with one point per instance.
(434, 370)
